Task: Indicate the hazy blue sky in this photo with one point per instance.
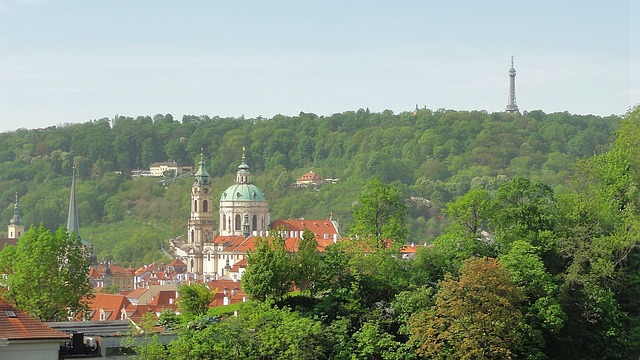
(73, 61)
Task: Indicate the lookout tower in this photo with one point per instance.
(511, 105)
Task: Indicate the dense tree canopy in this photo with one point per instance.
(47, 274)
(433, 156)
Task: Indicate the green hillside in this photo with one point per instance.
(434, 156)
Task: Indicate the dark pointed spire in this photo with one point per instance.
(16, 220)
(73, 224)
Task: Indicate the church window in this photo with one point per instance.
(195, 206)
(208, 256)
(254, 223)
(205, 206)
(224, 221)
(238, 222)
(193, 236)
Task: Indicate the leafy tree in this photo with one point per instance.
(144, 340)
(268, 273)
(474, 317)
(307, 265)
(379, 213)
(274, 334)
(194, 299)
(47, 274)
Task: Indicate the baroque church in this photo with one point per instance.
(243, 217)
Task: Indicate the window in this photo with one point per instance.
(224, 221)
(195, 206)
(254, 223)
(205, 206)
(238, 222)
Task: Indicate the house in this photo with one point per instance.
(310, 178)
(146, 295)
(106, 275)
(108, 307)
(24, 337)
(171, 168)
(226, 292)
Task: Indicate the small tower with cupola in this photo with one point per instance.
(200, 226)
(15, 228)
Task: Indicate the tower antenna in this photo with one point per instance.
(511, 104)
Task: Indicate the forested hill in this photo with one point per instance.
(435, 156)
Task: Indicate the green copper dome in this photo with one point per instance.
(243, 192)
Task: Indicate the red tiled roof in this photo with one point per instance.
(310, 176)
(239, 264)
(24, 327)
(219, 287)
(137, 292)
(323, 229)
(164, 297)
(110, 303)
(177, 262)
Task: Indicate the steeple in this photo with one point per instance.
(511, 105)
(15, 228)
(243, 175)
(202, 176)
(73, 224)
(16, 220)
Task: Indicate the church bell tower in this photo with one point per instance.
(200, 226)
(15, 228)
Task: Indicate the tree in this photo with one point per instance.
(379, 213)
(47, 274)
(268, 273)
(307, 264)
(145, 341)
(194, 299)
(474, 317)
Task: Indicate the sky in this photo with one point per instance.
(75, 61)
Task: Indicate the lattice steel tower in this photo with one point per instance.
(511, 105)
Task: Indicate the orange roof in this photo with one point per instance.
(177, 262)
(234, 292)
(135, 312)
(164, 298)
(16, 325)
(242, 245)
(323, 229)
(94, 273)
(239, 264)
(111, 304)
(310, 176)
(137, 292)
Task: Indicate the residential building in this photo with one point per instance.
(24, 337)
